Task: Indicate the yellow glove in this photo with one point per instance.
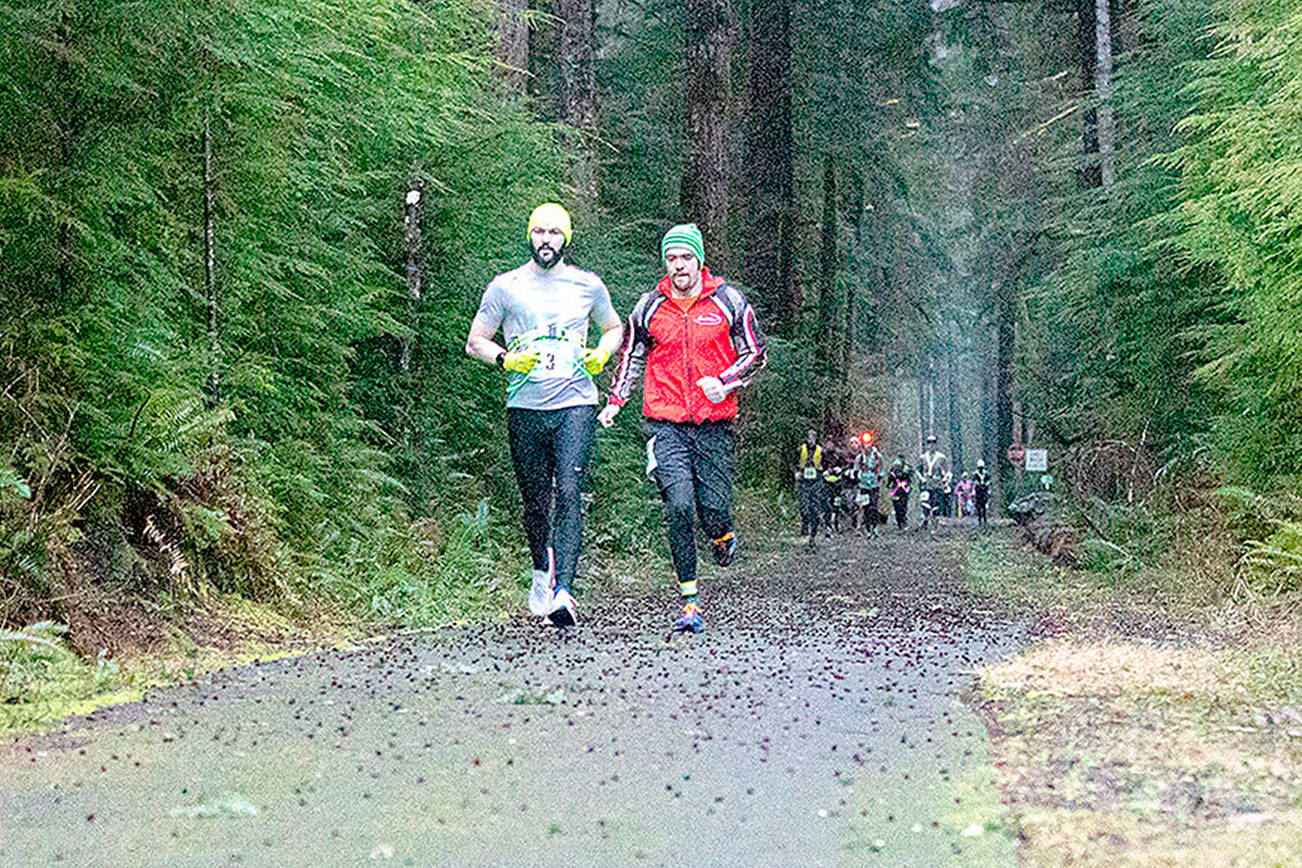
(594, 360)
(521, 363)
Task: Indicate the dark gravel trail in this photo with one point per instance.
(816, 722)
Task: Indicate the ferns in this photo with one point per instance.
(1273, 565)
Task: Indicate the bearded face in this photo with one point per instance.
(546, 246)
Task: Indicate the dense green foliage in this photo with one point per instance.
(1163, 312)
(1157, 321)
(1239, 191)
(247, 423)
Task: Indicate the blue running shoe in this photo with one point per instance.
(690, 620)
(724, 549)
(562, 609)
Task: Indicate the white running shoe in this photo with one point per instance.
(540, 592)
(562, 609)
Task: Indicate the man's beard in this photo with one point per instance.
(552, 256)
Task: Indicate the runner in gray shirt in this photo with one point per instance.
(543, 308)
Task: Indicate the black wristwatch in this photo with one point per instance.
(500, 361)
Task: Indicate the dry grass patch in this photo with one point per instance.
(1069, 668)
(1117, 750)
(1134, 754)
(1103, 839)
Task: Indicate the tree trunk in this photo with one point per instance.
(931, 395)
(578, 89)
(922, 406)
(770, 165)
(512, 43)
(210, 263)
(989, 417)
(543, 80)
(1088, 175)
(830, 319)
(847, 352)
(955, 410)
(1107, 132)
(850, 356)
(704, 197)
(1005, 311)
(827, 262)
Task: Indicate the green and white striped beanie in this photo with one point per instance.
(684, 235)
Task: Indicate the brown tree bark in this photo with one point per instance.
(770, 165)
(704, 196)
(1107, 132)
(577, 75)
(955, 410)
(543, 79)
(512, 43)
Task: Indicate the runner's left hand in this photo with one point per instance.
(607, 416)
(713, 388)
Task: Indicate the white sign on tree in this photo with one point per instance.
(1037, 459)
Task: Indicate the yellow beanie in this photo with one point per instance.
(550, 214)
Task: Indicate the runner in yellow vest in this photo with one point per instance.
(933, 473)
(809, 472)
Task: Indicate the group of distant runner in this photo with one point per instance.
(849, 488)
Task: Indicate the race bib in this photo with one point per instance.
(811, 473)
(864, 499)
(557, 358)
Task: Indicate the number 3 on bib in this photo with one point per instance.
(556, 358)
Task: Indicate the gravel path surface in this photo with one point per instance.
(817, 721)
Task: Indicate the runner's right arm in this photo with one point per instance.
(612, 333)
(631, 364)
(480, 343)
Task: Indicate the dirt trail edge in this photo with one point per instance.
(816, 722)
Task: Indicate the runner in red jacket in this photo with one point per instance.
(693, 341)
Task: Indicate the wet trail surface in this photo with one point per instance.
(816, 722)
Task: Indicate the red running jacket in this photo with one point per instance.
(718, 336)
